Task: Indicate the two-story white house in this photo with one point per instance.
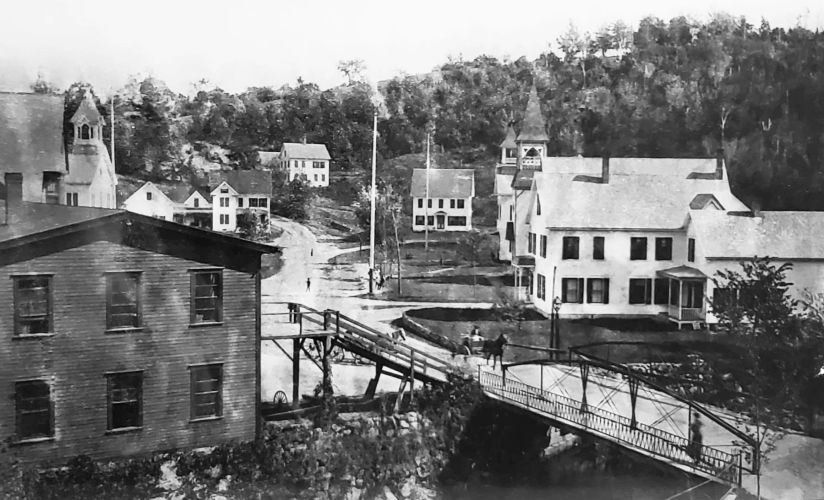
(447, 204)
(307, 161)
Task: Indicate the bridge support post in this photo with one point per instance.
(633, 398)
(584, 378)
(373, 384)
(327, 367)
(337, 321)
(296, 345)
(412, 377)
(326, 319)
(401, 390)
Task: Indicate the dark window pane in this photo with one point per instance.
(33, 409)
(638, 248)
(598, 248)
(570, 250)
(691, 250)
(639, 291)
(661, 291)
(32, 305)
(663, 248)
(206, 390)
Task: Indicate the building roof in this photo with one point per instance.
(178, 193)
(39, 228)
(509, 140)
(702, 200)
(523, 179)
(780, 235)
(88, 109)
(673, 167)
(444, 183)
(245, 182)
(503, 184)
(533, 126)
(681, 272)
(268, 157)
(307, 151)
(31, 133)
(627, 202)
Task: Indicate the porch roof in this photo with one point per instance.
(682, 272)
(524, 261)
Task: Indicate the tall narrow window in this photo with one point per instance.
(123, 300)
(148, 196)
(663, 248)
(543, 245)
(570, 250)
(661, 295)
(572, 290)
(429, 203)
(691, 250)
(33, 410)
(598, 248)
(440, 203)
(197, 202)
(32, 305)
(207, 296)
(531, 243)
(206, 390)
(460, 203)
(420, 202)
(85, 132)
(452, 203)
(598, 290)
(240, 202)
(638, 248)
(125, 400)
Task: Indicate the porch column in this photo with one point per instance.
(681, 286)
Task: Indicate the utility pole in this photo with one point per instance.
(112, 136)
(426, 203)
(372, 205)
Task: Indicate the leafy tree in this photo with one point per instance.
(290, 199)
(43, 86)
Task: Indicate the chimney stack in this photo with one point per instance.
(605, 169)
(756, 208)
(719, 164)
(14, 194)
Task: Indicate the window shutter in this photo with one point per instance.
(606, 291)
(589, 290)
(647, 292)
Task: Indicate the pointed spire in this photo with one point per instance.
(533, 128)
(509, 140)
(88, 109)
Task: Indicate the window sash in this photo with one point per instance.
(639, 290)
(637, 249)
(598, 290)
(570, 250)
(33, 410)
(543, 246)
(206, 391)
(663, 248)
(572, 290)
(460, 204)
(32, 305)
(691, 250)
(661, 293)
(206, 296)
(123, 300)
(125, 400)
(598, 248)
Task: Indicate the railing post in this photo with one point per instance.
(326, 319)
(300, 323)
(503, 371)
(740, 467)
(337, 321)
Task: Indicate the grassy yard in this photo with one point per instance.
(656, 341)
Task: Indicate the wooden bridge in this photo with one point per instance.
(572, 389)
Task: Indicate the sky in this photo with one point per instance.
(242, 43)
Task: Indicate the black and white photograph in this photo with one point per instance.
(370, 250)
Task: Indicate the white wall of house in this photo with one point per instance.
(197, 200)
(253, 201)
(147, 200)
(616, 266)
(442, 208)
(316, 172)
(506, 213)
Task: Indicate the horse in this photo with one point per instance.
(495, 349)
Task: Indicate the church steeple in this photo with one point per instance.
(532, 138)
(88, 122)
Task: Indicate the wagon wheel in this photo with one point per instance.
(279, 400)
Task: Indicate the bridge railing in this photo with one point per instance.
(717, 463)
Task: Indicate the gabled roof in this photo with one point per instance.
(178, 193)
(31, 133)
(651, 202)
(308, 151)
(503, 184)
(201, 192)
(245, 182)
(509, 140)
(147, 186)
(228, 187)
(673, 167)
(444, 183)
(40, 229)
(533, 126)
(523, 179)
(780, 235)
(702, 200)
(88, 109)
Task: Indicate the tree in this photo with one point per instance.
(290, 199)
(475, 247)
(43, 86)
(354, 70)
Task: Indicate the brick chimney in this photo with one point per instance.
(719, 164)
(14, 194)
(605, 168)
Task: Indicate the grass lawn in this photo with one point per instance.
(657, 342)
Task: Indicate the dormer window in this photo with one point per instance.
(85, 132)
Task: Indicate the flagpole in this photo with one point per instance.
(426, 203)
(112, 136)
(372, 204)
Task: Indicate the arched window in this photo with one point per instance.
(533, 152)
(85, 131)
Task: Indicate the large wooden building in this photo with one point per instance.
(123, 334)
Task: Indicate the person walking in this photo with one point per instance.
(696, 439)
(308, 283)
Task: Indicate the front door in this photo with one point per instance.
(440, 220)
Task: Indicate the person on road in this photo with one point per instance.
(308, 283)
(696, 439)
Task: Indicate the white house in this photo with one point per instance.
(448, 204)
(91, 179)
(307, 161)
(150, 200)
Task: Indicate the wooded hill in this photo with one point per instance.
(667, 89)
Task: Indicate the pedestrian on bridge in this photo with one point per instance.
(696, 439)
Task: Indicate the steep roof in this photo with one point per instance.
(674, 167)
(307, 151)
(444, 183)
(784, 235)
(533, 127)
(509, 140)
(88, 109)
(627, 202)
(244, 181)
(523, 179)
(31, 133)
(178, 193)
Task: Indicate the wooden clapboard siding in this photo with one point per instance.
(79, 354)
